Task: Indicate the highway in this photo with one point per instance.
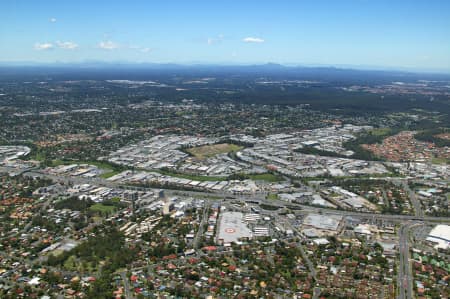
(405, 277)
(199, 234)
(260, 198)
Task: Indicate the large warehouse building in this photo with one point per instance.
(440, 235)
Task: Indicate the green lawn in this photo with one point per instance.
(268, 177)
(109, 174)
(272, 196)
(61, 162)
(207, 151)
(115, 199)
(380, 131)
(103, 209)
(440, 161)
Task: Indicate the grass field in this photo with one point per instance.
(207, 151)
(380, 131)
(268, 177)
(103, 209)
(440, 161)
(272, 196)
(109, 174)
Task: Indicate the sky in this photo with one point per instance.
(368, 33)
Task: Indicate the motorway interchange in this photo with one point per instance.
(405, 223)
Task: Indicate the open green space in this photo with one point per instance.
(103, 209)
(109, 174)
(440, 161)
(207, 151)
(269, 207)
(268, 177)
(272, 196)
(380, 131)
(309, 150)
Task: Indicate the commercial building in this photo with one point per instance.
(440, 235)
(232, 228)
(327, 224)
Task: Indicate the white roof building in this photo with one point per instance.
(440, 234)
(323, 222)
(363, 229)
(321, 241)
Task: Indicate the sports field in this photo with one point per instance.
(207, 151)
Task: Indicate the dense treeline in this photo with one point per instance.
(74, 203)
(368, 138)
(359, 152)
(108, 247)
(104, 251)
(430, 136)
(309, 150)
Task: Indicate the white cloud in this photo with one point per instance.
(250, 39)
(146, 50)
(52, 20)
(43, 46)
(214, 40)
(140, 49)
(67, 45)
(108, 45)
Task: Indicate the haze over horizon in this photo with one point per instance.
(405, 35)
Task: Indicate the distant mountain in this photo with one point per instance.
(127, 70)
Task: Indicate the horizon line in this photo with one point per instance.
(407, 69)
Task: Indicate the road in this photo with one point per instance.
(405, 276)
(126, 285)
(199, 233)
(418, 210)
(309, 264)
(260, 198)
(42, 209)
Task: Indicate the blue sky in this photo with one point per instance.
(388, 34)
